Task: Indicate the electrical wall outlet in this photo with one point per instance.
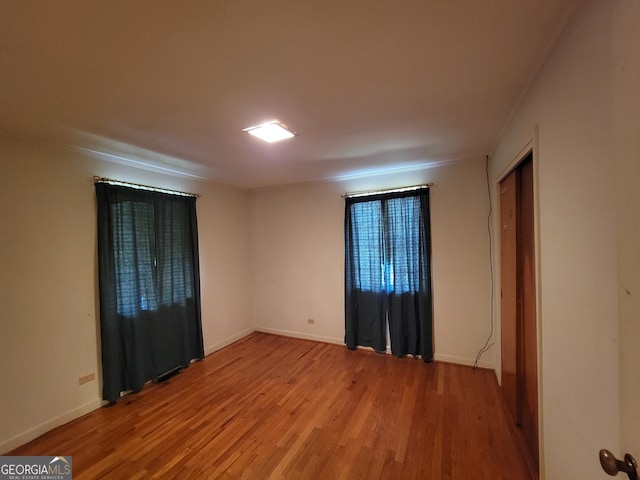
(311, 321)
(86, 378)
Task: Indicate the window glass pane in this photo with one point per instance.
(133, 239)
(176, 268)
(386, 244)
(403, 256)
(366, 221)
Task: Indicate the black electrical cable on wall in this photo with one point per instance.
(486, 345)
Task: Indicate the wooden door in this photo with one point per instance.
(508, 293)
(518, 301)
(527, 336)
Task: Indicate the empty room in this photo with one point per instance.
(433, 270)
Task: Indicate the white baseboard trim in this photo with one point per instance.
(227, 341)
(462, 361)
(39, 430)
(340, 341)
(304, 336)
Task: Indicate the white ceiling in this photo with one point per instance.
(368, 84)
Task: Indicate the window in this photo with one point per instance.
(134, 255)
(387, 244)
(388, 272)
(150, 320)
(142, 283)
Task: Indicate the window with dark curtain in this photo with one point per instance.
(388, 273)
(149, 280)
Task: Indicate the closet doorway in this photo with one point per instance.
(518, 301)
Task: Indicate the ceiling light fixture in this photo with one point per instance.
(272, 131)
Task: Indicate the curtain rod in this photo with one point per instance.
(139, 186)
(391, 190)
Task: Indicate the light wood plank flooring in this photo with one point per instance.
(277, 407)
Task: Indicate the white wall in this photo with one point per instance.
(297, 249)
(297, 261)
(48, 279)
(625, 44)
(579, 109)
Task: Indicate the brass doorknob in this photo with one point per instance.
(611, 465)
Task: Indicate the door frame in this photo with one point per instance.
(530, 147)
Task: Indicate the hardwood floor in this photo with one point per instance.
(277, 407)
